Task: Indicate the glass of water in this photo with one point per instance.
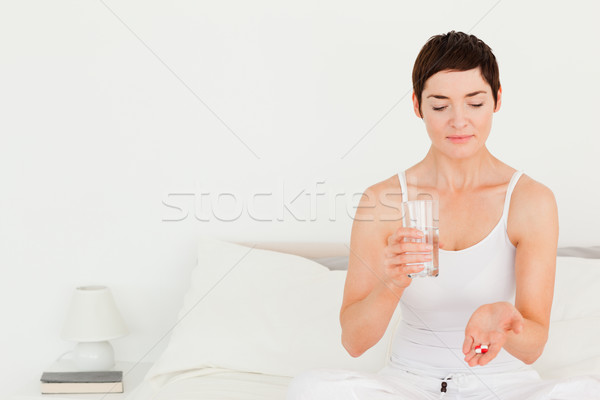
(423, 215)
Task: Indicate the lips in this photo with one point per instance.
(460, 139)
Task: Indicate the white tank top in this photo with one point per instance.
(435, 311)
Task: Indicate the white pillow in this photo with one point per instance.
(572, 348)
(261, 311)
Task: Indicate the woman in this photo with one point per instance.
(497, 267)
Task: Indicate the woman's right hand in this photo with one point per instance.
(395, 258)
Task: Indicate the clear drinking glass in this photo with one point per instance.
(424, 216)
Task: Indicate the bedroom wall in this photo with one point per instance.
(129, 128)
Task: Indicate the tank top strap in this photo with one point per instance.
(403, 186)
(511, 185)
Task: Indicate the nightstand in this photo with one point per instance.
(131, 379)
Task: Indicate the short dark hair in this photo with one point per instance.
(456, 51)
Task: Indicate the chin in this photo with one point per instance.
(458, 153)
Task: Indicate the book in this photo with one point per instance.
(82, 382)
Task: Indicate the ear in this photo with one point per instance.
(499, 101)
(416, 105)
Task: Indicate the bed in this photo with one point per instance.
(257, 314)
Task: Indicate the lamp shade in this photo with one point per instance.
(93, 316)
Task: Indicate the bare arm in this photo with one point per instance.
(376, 277)
(364, 322)
(522, 328)
(535, 269)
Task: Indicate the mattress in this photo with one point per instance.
(217, 384)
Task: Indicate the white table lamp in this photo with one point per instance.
(93, 319)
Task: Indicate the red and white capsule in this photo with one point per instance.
(481, 349)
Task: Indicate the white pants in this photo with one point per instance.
(392, 383)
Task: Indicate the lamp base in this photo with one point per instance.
(94, 356)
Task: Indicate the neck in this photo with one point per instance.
(455, 175)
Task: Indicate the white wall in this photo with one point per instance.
(113, 113)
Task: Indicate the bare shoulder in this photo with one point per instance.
(381, 202)
(532, 209)
(529, 195)
(391, 184)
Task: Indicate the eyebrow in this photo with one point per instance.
(439, 96)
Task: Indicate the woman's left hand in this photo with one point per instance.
(489, 325)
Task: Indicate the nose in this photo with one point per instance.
(459, 118)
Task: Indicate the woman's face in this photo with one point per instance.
(457, 104)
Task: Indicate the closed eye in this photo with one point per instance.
(443, 107)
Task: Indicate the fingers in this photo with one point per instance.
(407, 259)
(494, 343)
(493, 350)
(402, 253)
(418, 247)
(401, 233)
(399, 275)
(412, 247)
(467, 344)
(404, 270)
(469, 349)
(412, 269)
(402, 258)
(474, 358)
(490, 325)
(399, 268)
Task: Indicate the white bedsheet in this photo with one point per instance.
(216, 384)
(574, 326)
